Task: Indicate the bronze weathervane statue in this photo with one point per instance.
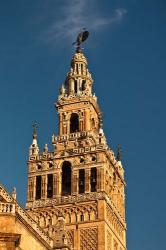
(82, 36)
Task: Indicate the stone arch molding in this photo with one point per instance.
(71, 214)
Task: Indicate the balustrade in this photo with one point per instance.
(7, 208)
(69, 136)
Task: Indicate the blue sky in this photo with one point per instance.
(127, 57)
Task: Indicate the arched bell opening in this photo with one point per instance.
(81, 181)
(75, 86)
(83, 85)
(93, 180)
(66, 178)
(74, 123)
(49, 185)
(38, 187)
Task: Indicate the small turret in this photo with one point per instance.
(34, 149)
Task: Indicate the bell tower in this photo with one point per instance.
(81, 179)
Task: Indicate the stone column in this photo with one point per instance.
(59, 182)
(34, 188)
(43, 187)
(68, 126)
(87, 180)
(56, 184)
(30, 189)
(100, 179)
(81, 127)
(64, 128)
(87, 120)
(74, 184)
(60, 124)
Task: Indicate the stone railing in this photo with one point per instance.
(71, 136)
(8, 208)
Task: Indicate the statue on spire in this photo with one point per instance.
(35, 126)
(82, 36)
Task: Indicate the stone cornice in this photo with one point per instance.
(75, 100)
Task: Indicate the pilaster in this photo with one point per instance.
(43, 187)
(75, 182)
(34, 188)
(87, 180)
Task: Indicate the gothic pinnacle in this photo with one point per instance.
(35, 126)
(119, 153)
(34, 150)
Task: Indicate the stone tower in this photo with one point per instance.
(81, 180)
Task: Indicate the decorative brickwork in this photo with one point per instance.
(70, 234)
(114, 221)
(89, 239)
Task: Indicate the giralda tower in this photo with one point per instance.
(81, 179)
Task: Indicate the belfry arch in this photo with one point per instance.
(74, 123)
(66, 178)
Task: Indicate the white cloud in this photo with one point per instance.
(77, 14)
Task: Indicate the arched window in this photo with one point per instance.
(74, 123)
(93, 180)
(66, 178)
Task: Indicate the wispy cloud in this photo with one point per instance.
(76, 14)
